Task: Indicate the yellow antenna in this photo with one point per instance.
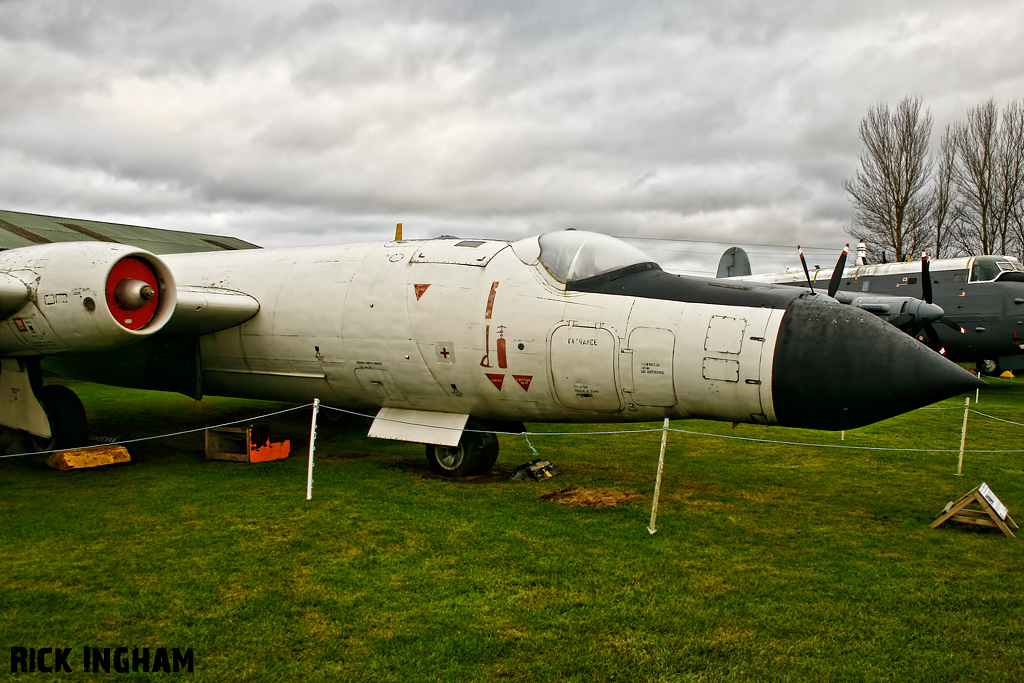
(398, 232)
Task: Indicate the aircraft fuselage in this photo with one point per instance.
(435, 326)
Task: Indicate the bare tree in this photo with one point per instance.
(946, 208)
(1010, 173)
(891, 203)
(974, 175)
(989, 174)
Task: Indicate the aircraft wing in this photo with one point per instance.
(19, 229)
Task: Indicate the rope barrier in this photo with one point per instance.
(998, 419)
(528, 434)
(163, 436)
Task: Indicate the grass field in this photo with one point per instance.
(772, 562)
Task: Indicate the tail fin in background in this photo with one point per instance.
(734, 263)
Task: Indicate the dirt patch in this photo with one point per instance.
(587, 497)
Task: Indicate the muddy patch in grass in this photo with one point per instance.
(590, 497)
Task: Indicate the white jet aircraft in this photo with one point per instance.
(448, 339)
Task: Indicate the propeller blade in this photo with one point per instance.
(807, 273)
(926, 278)
(901, 320)
(952, 325)
(933, 338)
(837, 274)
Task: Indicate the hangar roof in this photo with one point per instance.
(25, 229)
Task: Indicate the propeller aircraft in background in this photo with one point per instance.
(979, 301)
(448, 340)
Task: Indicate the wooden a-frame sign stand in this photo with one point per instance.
(989, 511)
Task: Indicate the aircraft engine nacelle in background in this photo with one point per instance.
(80, 296)
(896, 310)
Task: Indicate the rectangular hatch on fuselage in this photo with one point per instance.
(457, 251)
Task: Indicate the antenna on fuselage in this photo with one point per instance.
(398, 232)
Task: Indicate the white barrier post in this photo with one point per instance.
(312, 445)
(657, 484)
(963, 437)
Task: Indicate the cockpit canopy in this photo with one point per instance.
(572, 255)
(989, 268)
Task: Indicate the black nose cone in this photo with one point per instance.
(839, 367)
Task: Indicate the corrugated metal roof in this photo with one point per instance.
(25, 229)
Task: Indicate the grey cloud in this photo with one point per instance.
(329, 121)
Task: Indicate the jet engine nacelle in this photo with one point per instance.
(81, 296)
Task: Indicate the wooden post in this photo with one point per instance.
(963, 437)
(657, 483)
(312, 445)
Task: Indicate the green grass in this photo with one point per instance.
(772, 562)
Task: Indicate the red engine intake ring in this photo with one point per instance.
(132, 268)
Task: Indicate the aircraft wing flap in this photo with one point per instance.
(203, 310)
(419, 426)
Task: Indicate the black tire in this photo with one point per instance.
(489, 455)
(988, 367)
(476, 454)
(69, 426)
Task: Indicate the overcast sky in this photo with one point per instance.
(291, 122)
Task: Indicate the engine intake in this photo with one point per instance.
(132, 292)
